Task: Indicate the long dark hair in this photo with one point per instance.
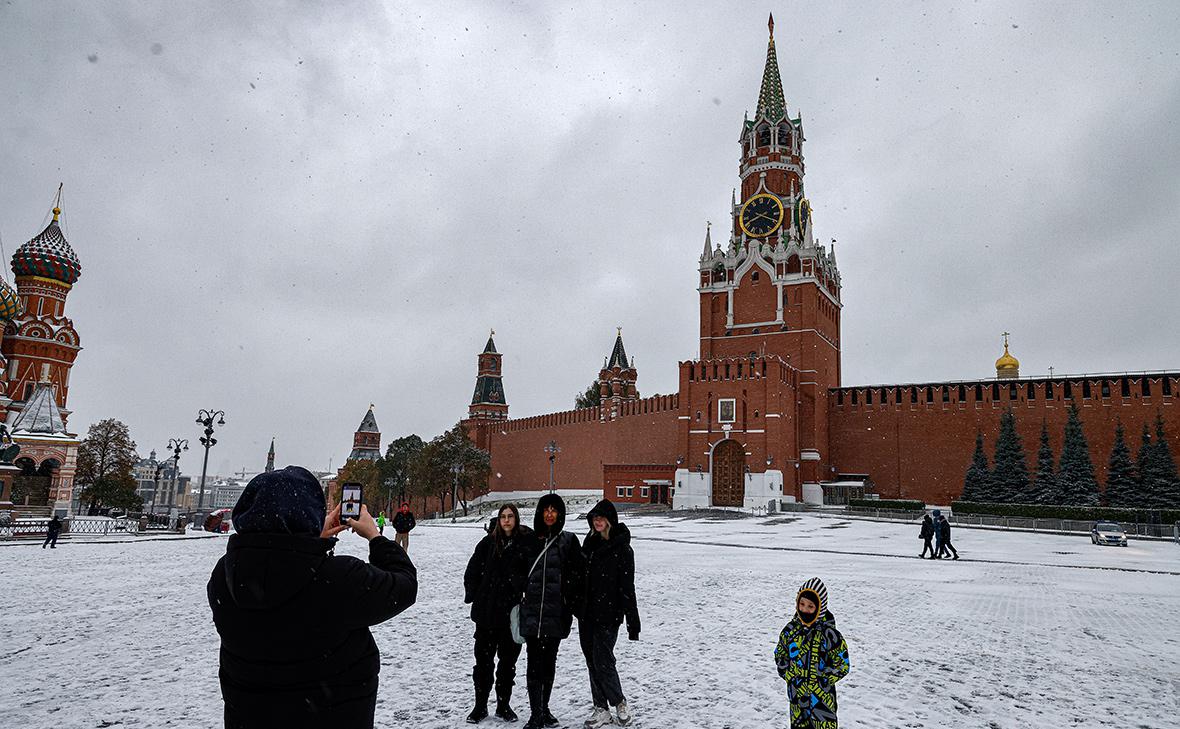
(500, 536)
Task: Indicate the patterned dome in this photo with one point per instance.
(48, 255)
(10, 307)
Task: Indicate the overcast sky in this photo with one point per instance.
(289, 211)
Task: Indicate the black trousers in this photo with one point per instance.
(947, 548)
(490, 641)
(927, 546)
(542, 669)
(598, 645)
(50, 539)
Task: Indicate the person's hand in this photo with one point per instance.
(365, 525)
(332, 525)
(632, 634)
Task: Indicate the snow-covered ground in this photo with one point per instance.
(1027, 630)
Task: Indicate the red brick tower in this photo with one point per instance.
(366, 442)
(770, 320)
(616, 380)
(488, 403)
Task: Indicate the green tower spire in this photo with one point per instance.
(771, 103)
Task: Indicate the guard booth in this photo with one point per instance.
(846, 487)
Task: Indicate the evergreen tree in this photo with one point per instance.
(1045, 480)
(1121, 486)
(1076, 475)
(977, 484)
(1163, 469)
(591, 398)
(1010, 476)
(1144, 467)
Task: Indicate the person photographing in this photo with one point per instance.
(294, 617)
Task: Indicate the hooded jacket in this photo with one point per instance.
(811, 658)
(609, 595)
(495, 575)
(927, 530)
(553, 586)
(293, 618)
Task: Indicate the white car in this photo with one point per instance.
(1108, 532)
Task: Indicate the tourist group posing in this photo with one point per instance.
(938, 529)
(527, 586)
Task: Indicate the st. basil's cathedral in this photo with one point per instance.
(762, 414)
(37, 351)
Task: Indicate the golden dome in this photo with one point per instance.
(1007, 361)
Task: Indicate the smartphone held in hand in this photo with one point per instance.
(350, 502)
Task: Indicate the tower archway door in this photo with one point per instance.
(729, 474)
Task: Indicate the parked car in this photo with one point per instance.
(1108, 532)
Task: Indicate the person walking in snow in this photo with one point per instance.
(811, 656)
(926, 534)
(492, 584)
(381, 522)
(944, 531)
(51, 533)
(403, 523)
(552, 591)
(937, 524)
(294, 618)
(607, 600)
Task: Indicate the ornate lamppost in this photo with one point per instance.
(552, 450)
(176, 445)
(206, 418)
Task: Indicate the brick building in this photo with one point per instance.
(761, 414)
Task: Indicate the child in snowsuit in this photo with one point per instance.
(811, 657)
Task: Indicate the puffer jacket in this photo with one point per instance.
(811, 659)
(495, 575)
(553, 584)
(609, 595)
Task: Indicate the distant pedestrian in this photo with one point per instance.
(938, 550)
(381, 522)
(493, 583)
(403, 523)
(944, 530)
(926, 534)
(811, 656)
(607, 601)
(552, 592)
(52, 531)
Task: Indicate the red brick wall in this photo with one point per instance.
(644, 432)
(631, 476)
(922, 450)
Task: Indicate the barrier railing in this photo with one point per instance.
(75, 525)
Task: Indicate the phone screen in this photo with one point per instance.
(350, 501)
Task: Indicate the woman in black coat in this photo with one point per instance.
(493, 584)
(926, 533)
(608, 600)
(293, 618)
(552, 591)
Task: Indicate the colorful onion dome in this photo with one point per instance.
(10, 306)
(48, 255)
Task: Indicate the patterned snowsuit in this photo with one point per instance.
(811, 659)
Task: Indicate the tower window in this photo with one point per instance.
(764, 136)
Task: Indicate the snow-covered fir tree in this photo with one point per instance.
(1010, 473)
(1075, 475)
(1122, 488)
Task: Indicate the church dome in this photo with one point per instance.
(48, 255)
(10, 306)
(1007, 361)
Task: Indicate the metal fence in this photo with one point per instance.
(76, 525)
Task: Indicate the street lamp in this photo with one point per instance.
(206, 418)
(456, 469)
(176, 445)
(552, 450)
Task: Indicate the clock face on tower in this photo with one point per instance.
(761, 215)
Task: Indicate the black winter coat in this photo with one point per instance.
(294, 623)
(54, 526)
(944, 530)
(609, 594)
(553, 587)
(927, 529)
(403, 522)
(495, 576)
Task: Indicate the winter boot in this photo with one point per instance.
(480, 712)
(503, 710)
(547, 717)
(536, 708)
(599, 718)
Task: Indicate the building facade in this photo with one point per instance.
(762, 415)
